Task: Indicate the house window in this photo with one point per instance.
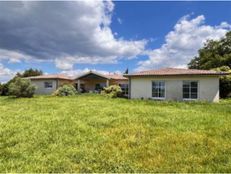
(124, 88)
(158, 89)
(97, 87)
(190, 90)
(48, 85)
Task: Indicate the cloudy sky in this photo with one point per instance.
(74, 37)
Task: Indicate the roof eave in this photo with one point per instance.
(142, 75)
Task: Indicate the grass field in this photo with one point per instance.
(91, 133)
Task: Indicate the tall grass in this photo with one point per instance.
(91, 133)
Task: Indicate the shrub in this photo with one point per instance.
(112, 91)
(225, 82)
(65, 90)
(21, 88)
(4, 88)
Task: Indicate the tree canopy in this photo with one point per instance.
(214, 54)
(30, 72)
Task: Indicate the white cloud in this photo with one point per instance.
(79, 30)
(66, 63)
(13, 56)
(5, 73)
(182, 44)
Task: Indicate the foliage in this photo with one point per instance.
(225, 82)
(65, 90)
(214, 54)
(4, 88)
(21, 88)
(112, 91)
(91, 133)
(30, 72)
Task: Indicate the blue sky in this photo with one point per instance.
(74, 37)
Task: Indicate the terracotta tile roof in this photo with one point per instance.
(175, 71)
(116, 77)
(51, 76)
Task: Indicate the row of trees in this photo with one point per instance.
(216, 55)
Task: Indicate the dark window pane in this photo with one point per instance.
(154, 94)
(158, 89)
(155, 90)
(193, 90)
(185, 90)
(48, 84)
(154, 84)
(185, 95)
(161, 94)
(194, 95)
(194, 84)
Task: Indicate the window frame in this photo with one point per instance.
(159, 98)
(48, 82)
(190, 98)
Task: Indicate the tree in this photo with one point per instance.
(30, 72)
(4, 89)
(225, 82)
(21, 88)
(214, 54)
(126, 71)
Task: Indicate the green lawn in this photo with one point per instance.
(91, 133)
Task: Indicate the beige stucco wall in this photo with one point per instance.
(208, 87)
(62, 82)
(40, 89)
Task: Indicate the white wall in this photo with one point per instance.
(208, 87)
(40, 89)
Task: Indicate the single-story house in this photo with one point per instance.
(88, 82)
(47, 84)
(175, 84)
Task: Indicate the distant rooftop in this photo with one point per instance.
(175, 71)
(64, 77)
(51, 76)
